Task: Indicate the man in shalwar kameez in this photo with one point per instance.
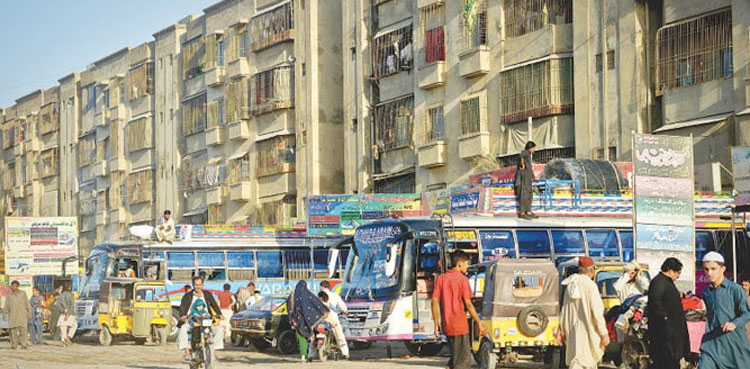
(582, 319)
(725, 343)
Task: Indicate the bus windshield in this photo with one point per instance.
(373, 271)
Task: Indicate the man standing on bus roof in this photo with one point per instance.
(451, 298)
(338, 307)
(725, 343)
(524, 180)
(165, 231)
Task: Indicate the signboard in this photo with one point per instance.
(333, 215)
(37, 246)
(741, 170)
(664, 209)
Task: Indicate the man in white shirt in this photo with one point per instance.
(632, 282)
(338, 307)
(165, 231)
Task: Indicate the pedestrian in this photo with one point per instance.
(252, 297)
(17, 312)
(165, 231)
(36, 323)
(226, 301)
(451, 298)
(745, 283)
(241, 298)
(523, 184)
(305, 312)
(667, 328)
(725, 343)
(55, 311)
(632, 282)
(338, 307)
(67, 321)
(186, 304)
(582, 318)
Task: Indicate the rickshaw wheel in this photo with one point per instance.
(105, 337)
(532, 320)
(140, 341)
(488, 358)
(635, 353)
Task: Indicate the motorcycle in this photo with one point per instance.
(201, 344)
(325, 342)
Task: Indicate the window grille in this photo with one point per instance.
(599, 63)
(276, 155)
(537, 90)
(526, 16)
(214, 175)
(611, 59)
(695, 51)
(114, 139)
(394, 123)
(474, 24)
(542, 156)
(215, 112)
(273, 89)
(49, 162)
(272, 27)
(434, 125)
(140, 134)
(87, 199)
(140, 186)
(101, 150)
(49, 120)
(193, 57)
(239, 169)
(194, 115)
(237, 100)
(87, 150)
(471, 116)
(141, 80)
(431, 33)
(393, 52)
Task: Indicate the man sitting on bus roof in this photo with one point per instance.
(164, 230)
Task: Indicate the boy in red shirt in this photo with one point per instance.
(452, 297)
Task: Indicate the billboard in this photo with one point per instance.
(333, 215)
(741, 170)
(664, 209)
(37, 246)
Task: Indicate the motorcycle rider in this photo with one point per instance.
(186, 305)
(338, 307)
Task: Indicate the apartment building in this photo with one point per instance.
(438, 90)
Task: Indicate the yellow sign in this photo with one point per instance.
(462, 235)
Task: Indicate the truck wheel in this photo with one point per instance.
(532, 320)
(487, 355)
(423, 349)
(287, 342)
(105, 337)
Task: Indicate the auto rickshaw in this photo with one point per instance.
(134, 308)
(517, 301)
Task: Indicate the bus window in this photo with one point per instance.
(724, 243)
(272, 266)
(241, 266)
(428, 257)
(533, 243)
(497, 244)
(320, 264)
(602, 243)
(626, 239)
(297, 264)
(180, 265)
(568, 243)
(704, 242)
(211, 266)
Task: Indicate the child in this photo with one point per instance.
(197, 313)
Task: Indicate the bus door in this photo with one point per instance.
(426, 264)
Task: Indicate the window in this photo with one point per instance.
(220, 53)
(273, 89)
(216, 214)
(105, 98)
(48, 161)
(141, 80)
(114, 139)
(102, 149)
(497, 244)
(115, 193)
(243, 41)
(214, 52)
(393, 52)
(599, 63)
(140, 186)
(9, 176)
(215, 113)
(568, 243)
(87, 149)
(239, 169)
(694, 51)
(526, 16)
(297, 264)
(528, 285)
(235, 42)
(102, 200)
(87, 198)
(211, 266)
(193, 57)
(194, 115)
(602, 243)
(611, 59)
(704, 242)
(276, 155)
(9, 136)
(394, 123)
(140, 134)
(432, 36)
(537, 90)
(180, 260)
(271, 262)
(89, 93)
(49, 119)
(474, 25)
(533, 243)
(272, 27)
(471, 117)
(241, 266)
(434, 125)
(626, 239)
(237, 100)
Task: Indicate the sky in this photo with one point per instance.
(42, 41)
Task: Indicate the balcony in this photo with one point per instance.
(432, 75)
(474, 62)
(474, 145)
(118, 216)
(283, 183)
(214, 136)
(432, 154)
(216, 195)
(118, 112)
(238, 130)
(215, 76)
(99, 169)
(241, 191)
(100, 118)
(101, 217)
(238, 68)
(118, 164)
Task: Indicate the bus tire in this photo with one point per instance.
(174, 330)
(423, 349)
(532, 320)
(361, 345)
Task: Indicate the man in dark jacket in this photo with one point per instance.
(187, 302)
(523, 183)
(667, 327)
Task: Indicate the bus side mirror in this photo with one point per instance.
(333, 258)
(390, 265)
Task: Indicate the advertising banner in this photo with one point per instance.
(741, 170)
(333, 215)
(664, 211)
(37, 246)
